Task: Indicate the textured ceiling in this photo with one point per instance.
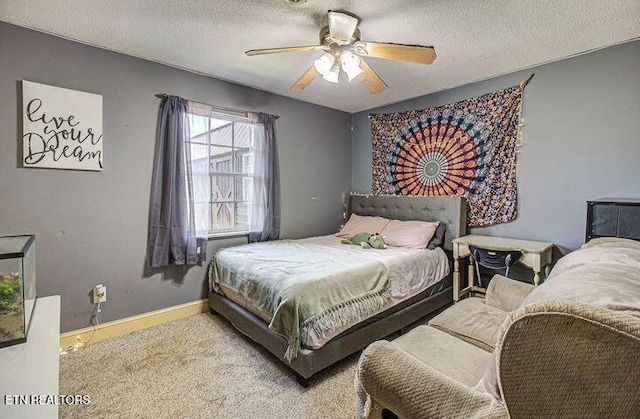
(474, 39)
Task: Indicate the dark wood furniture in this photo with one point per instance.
(613, 217)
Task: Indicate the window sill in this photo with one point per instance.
(227, 234)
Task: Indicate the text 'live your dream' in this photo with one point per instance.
(59, 137)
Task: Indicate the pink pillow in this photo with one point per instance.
(362, 224)
(412, 234)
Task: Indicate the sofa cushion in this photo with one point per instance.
(507, 294)
(446, 354)
(473, 321)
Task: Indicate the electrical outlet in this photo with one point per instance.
(99, 294)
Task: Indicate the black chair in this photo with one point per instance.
(496, 260)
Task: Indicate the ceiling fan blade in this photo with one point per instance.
(305, 80)
(401, 52)
(286, 49)
(342, 26)
(370, 79)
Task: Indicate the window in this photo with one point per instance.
(222, 164)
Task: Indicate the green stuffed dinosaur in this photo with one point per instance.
(367, 241)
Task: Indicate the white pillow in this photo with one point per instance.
(362, 224)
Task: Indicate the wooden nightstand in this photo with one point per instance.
(535, 255)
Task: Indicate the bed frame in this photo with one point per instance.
(450, 210)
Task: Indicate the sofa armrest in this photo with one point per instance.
(388, 377)
(577, 360)
(507, 294)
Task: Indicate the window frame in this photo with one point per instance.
(209, 114)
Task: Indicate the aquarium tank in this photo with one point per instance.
(17, 287)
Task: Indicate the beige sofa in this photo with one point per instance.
(569, 348)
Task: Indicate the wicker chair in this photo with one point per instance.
(552, 360)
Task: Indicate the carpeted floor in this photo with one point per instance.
(198, 367)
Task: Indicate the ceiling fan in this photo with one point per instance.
(343, 49)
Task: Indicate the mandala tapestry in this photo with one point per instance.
(465, 148)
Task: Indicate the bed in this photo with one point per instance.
(387, 306)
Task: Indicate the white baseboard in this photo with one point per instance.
(78, 338)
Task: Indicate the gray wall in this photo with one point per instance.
(582, 140)
(92, 227)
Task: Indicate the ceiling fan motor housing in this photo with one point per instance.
(327, 40)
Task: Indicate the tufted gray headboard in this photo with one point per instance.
(452, 210)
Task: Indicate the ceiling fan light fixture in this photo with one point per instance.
(324, 64)
(332, 75)
(343, 49)
(350, 64)
(342, 26)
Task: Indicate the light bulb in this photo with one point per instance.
(332, 74)
(350, 64)
(323, 64)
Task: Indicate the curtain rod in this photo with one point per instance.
(220, 108)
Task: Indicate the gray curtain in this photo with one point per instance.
(172, 237)
(265, 219)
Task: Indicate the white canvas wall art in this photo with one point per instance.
(62, 128)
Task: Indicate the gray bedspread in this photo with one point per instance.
(302, 285)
